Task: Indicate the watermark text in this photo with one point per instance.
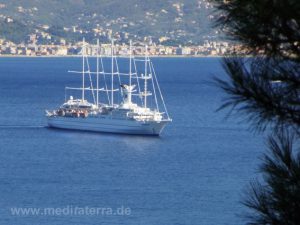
(71, 211)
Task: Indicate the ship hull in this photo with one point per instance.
(107, 125)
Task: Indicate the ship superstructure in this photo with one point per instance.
(128, 102)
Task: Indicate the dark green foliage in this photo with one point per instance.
(58, 32)
(266, 88)
(270, 26)
(171, 43)
(146, 17)
(277, 200)
(15, 31)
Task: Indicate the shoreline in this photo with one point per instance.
(78, 56)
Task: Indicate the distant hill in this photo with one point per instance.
(169, 21)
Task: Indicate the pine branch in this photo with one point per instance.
(266, 91)
(277, 201)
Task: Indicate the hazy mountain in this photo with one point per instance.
(180, 20)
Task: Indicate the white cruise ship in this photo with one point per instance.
(141, 109)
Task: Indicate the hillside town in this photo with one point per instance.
(8, 48)
(21, 38)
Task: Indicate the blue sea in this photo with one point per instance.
(194, 173)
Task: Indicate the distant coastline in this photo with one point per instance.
(78, 56)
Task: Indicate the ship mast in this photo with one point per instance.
(83, 67)
(130, 73)
(130, 61)
(98, 72)
(112, 72)
(146, 59)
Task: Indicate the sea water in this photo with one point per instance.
(195, 173)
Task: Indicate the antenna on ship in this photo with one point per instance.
(128, 89)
